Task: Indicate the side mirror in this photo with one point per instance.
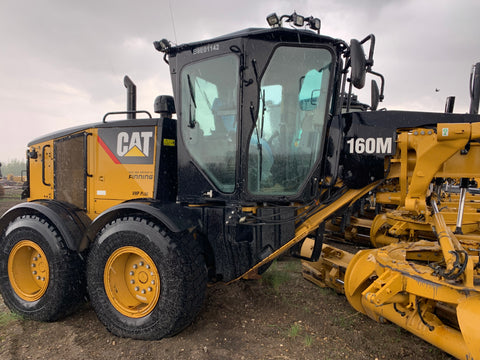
(358, 63)
(475, 88)
(375, 96)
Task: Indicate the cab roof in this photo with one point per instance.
(269, 34)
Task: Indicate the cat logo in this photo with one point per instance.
(128, 145)
(138, 144)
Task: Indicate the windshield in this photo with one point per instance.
(209, 115)
(285, 144)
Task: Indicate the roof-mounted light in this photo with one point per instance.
(162, 45)
(314, 23)
(297, 20)
(273, 20)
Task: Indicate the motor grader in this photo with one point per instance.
(268, 153)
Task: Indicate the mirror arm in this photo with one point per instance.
(342, 94)
(370, 37)
(349, 96)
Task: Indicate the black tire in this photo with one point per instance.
(175, 260)
(52, 289)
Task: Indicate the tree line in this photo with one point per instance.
(13, 167)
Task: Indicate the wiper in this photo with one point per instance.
(254, 64)
(262, 98)
(252, 115)
(259, 144)
(191, 119)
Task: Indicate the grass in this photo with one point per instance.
(275, 276)
(294, 330)
(11, 194)
(308, 340)
(7, 317)
(346, 321)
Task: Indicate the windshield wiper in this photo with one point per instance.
(259, 144)
(191, 119)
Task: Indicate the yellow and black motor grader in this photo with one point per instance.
(268, 152)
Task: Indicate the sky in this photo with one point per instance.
(62, 62)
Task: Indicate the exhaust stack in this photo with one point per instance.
(131, 97)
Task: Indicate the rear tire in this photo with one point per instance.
(144, 283)
(40, 278)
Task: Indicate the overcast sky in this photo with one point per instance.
(62, 62)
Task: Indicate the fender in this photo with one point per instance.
(173, 216)
(70, 221)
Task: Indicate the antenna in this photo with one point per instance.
(173, 22)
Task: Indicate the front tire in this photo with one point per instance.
(40, 278)
(144, 283)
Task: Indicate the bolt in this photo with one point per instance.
(135, 266)
(131, 273)
(415, 133)
(35, 258)
(143, 291)
(43, 279)
(152, 282)
(149, 289)
(132, 281)
(33, 265)
(137, 288)
(140, 263)
(422, 132)
(34, 272)
(147, 266)
(38, 277)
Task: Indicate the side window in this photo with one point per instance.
(209, 113)
(206, 93)
(310, 90)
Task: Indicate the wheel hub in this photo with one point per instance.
(132, 282)
(28, 270)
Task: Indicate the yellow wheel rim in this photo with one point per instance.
(132, 282)
(28, 270)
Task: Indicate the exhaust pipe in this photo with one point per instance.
(131, 97)
(475, 88)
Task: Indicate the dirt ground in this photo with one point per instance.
(281, 316)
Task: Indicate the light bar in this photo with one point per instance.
(297, 20)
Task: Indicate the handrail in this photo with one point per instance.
(125, 112)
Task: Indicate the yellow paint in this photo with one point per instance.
(132, 282)
(111, 183)
(404, 281)
(28, 270)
